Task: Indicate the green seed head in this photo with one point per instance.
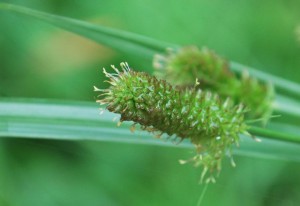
(181, 67)
(211, 124)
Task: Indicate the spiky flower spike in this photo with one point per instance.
(212, 125)
(181, 67)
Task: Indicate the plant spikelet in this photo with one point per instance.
(182, 66)
(211, 124)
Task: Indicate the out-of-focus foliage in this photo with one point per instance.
(38, 60)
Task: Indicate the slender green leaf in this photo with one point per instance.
(117, 39)
(275, 134)
(291, 129)
(44, 119)
(286, 105)
(134, 43)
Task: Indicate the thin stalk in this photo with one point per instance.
(200, 200)
(267, 133)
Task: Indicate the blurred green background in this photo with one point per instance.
(41, 61)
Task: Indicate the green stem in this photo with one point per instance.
(200, 200)
(263, 132)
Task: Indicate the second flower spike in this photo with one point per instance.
(181, 67)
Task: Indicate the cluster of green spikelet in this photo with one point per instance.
(211, 120)
(211, 124)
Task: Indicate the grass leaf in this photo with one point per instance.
(286, 105)
(57, 120)
(120, 40)
(133, 43)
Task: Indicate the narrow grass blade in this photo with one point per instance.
(44, 119)
(120, 40)
(133, 43)
(286, 105)
(275, 134)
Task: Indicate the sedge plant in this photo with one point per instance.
(222, 119)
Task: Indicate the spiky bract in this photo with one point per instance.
(211, 124)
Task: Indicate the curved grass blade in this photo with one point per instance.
(133, 43)
(120, 40)
(45, 119)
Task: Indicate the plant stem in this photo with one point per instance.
(200, 200)
(263, 132)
